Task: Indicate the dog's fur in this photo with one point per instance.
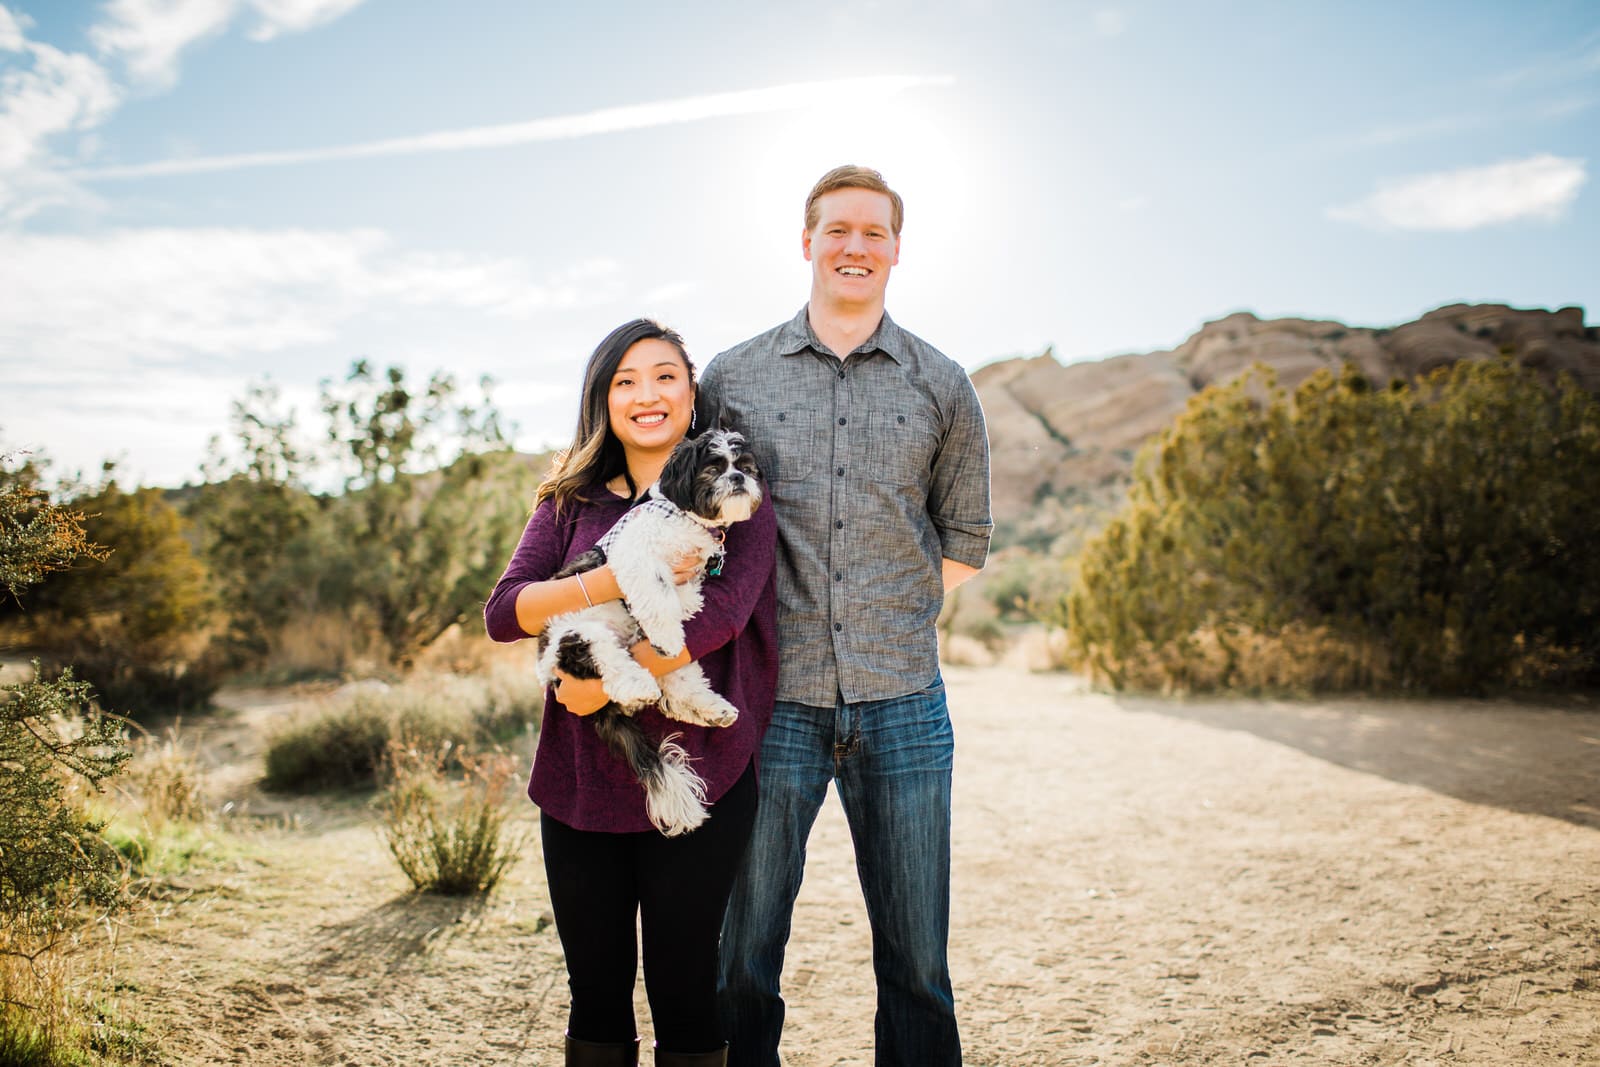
(709, 481)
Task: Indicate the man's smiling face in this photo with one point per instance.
(851, 248)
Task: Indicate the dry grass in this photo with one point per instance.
(1297, 659)
(448, 836)
(341, 741)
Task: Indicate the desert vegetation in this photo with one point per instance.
(140, 603)
(1426, 536)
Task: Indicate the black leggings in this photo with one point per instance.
(679, 886)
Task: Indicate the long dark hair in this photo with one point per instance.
(595, 455)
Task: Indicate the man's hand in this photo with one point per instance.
(581, 696)
(955, 573)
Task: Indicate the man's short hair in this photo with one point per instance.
(851, 176)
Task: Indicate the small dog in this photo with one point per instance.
(709, 482)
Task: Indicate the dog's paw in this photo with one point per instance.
(721, 713)
(632, 690)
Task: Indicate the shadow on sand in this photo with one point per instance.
(1540, 760)
(394, 934)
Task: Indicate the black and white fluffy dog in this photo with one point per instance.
(709, 481)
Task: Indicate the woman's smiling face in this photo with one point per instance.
(651, 400)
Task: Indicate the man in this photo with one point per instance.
(874, 448)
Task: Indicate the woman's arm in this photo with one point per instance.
(526, 597)
(730, 598)
(539, 602)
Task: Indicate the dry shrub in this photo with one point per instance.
(321, 645)
(448, 836)
(166, 779)
(341, 741)
(1297, 659)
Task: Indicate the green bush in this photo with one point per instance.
(341, 742)
(1431, 539)
(55, 870)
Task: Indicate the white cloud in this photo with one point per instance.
(11, 38)
(148, 36)
(1110, 22)
(1538, 188)
(608, 120)
(59, 91)
(50, 92)
(82, 307)
(296, 16)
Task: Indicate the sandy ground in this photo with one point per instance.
(1137, 881)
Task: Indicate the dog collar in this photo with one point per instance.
(718, 554)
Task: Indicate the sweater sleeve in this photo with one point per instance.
(537, 557)
(731, 597)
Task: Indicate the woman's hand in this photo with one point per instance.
(686, 567)
(581, 696)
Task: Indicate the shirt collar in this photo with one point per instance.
(796, 335)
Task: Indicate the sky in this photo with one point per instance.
(199, 195)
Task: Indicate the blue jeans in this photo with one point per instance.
(891, 760)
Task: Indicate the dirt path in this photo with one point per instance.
(1136, 882)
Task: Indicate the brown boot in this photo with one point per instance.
(602, 1053)
(719, 1058)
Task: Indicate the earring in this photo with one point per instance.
(694, 417)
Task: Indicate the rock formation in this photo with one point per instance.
(1062, 433)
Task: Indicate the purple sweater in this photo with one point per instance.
(576, 779)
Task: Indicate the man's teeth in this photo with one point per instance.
(854, 272)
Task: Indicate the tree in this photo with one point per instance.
(422, 543)
(259, 527)
(133, 624)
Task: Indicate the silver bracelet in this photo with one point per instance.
(585, 589)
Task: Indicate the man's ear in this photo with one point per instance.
(805, 245)
(896, 261)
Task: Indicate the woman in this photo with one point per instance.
(604, 861)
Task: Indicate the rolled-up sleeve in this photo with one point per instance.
(958, 494)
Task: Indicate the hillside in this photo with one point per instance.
(1064, 436)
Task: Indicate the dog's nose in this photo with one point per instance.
(735, 478)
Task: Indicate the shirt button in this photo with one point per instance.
(840, 472)
(780, 416)
(841, 422)
(841, 375)
(838, 576)
(838, 626)
(838, 524)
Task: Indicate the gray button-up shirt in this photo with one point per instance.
(878, 465)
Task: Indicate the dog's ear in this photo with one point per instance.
(677, 477)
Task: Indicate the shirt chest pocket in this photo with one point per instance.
(784, 443)
(900, 447)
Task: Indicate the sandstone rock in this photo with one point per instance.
(1069, 432)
